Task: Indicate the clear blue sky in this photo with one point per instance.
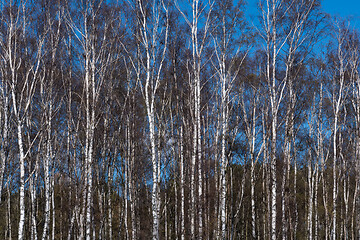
(342, 8)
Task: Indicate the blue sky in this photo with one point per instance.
(342, 8)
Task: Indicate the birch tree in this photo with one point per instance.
(272, 12)
(137, 119)
(85, 30)
(151, 34)
(338, 93)
(199, 16)
(22, 78)
(303, 28)
(5, 111)
(52, 28)
(354, 61)
(228, 20)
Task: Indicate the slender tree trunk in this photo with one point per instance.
(47, 160)
(9, 225)
(310, 200)
(334, 193)
(32, 190)
(223, 158)
(5, 130)
(21, 162)
(126, 181)
(317, 182)
(53, 205)
(182, 184)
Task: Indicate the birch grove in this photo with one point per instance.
(137, 119)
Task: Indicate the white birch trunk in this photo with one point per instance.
(126, 190)
(47, 160)
(337, 103)
(223, 166)
(195, 84)
(22, 178)
(132, 194)
(53, 205)
(5, 130)
(334, 193)
(8, 213)
(310, 200)
(153, 69)
(13, 66)
(110, 191)
(182, 185)
(270, 20)
(32, 190)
